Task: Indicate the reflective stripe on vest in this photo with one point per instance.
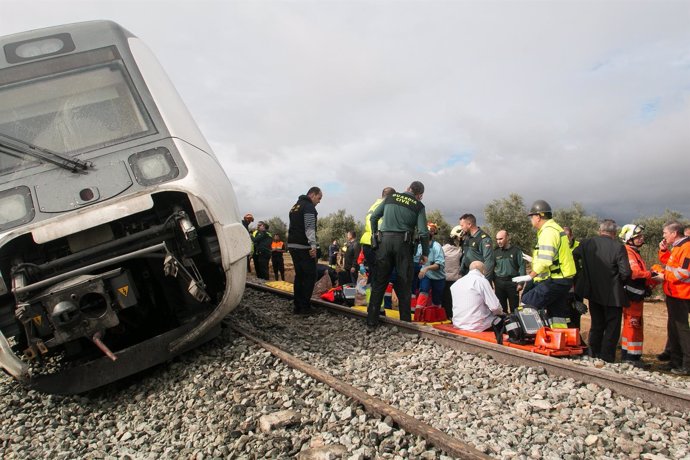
(558, 322)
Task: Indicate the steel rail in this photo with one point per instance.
(438, 438)
(670, 399)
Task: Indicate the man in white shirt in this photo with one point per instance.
(475, 305)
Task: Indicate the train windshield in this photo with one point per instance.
(70, 104)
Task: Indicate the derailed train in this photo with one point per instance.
(120, 237)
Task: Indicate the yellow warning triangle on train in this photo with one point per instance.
(124, 290)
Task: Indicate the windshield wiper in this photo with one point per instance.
(12, 146)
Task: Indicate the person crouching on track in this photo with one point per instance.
(432, 275)
(475, 305)
(641, 282)
(401, 213)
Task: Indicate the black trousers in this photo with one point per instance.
(605, 330)
(393, 253)
(507, 294)
(679, 331)
(447, 301)
(261, 265)
(278, 266)
(305, 278)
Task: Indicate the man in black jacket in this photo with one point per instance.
(262, 249)
(605, 269)
(351, 253)
(302, 247)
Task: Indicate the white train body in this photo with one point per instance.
(120, 236)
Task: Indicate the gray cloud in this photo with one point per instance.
(564, 100)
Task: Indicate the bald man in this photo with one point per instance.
(475, 306)
(509, 264)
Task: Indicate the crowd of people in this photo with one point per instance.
(477, 282)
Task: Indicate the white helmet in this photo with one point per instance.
(630, 232)
(457, 232)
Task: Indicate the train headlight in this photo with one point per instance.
(16, 207)
(153, 166)
(39, 47)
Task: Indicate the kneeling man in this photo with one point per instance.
(475, 305)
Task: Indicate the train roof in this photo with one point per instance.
(83, 35)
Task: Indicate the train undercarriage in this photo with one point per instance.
(91, 307)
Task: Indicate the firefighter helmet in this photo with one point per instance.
(540, 207)
(630, 231)
(457, 232)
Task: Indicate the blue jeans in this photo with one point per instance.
(550, 295)
(436, 287)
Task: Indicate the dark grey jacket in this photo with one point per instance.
(605, 270)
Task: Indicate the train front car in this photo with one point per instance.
(120, 236)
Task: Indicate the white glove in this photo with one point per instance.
(526, 257)
(522, 279)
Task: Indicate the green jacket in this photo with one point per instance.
(262, 243)
(402, 212)
(478, 247)
(509, 262)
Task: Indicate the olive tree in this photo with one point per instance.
(277, 226)
(436, 217)
(510, 214)
(582, 224)
(335, 227)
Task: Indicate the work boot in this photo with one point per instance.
(664, 356)
(306, 311)
(638, 363)
(680, 371)
(668, 367)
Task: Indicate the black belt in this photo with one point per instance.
(406, 236)
(506, 278)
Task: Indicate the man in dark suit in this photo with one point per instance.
(605, 269)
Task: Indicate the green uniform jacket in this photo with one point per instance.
(402, 212)
(509, 262)
(478, 247)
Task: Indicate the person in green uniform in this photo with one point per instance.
(477, 245)
(509, 264)
(401, 214)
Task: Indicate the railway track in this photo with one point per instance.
(507, 405)
(441, 440)
(670, 399)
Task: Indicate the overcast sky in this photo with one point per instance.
(585, 101)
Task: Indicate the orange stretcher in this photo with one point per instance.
(549, 342)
